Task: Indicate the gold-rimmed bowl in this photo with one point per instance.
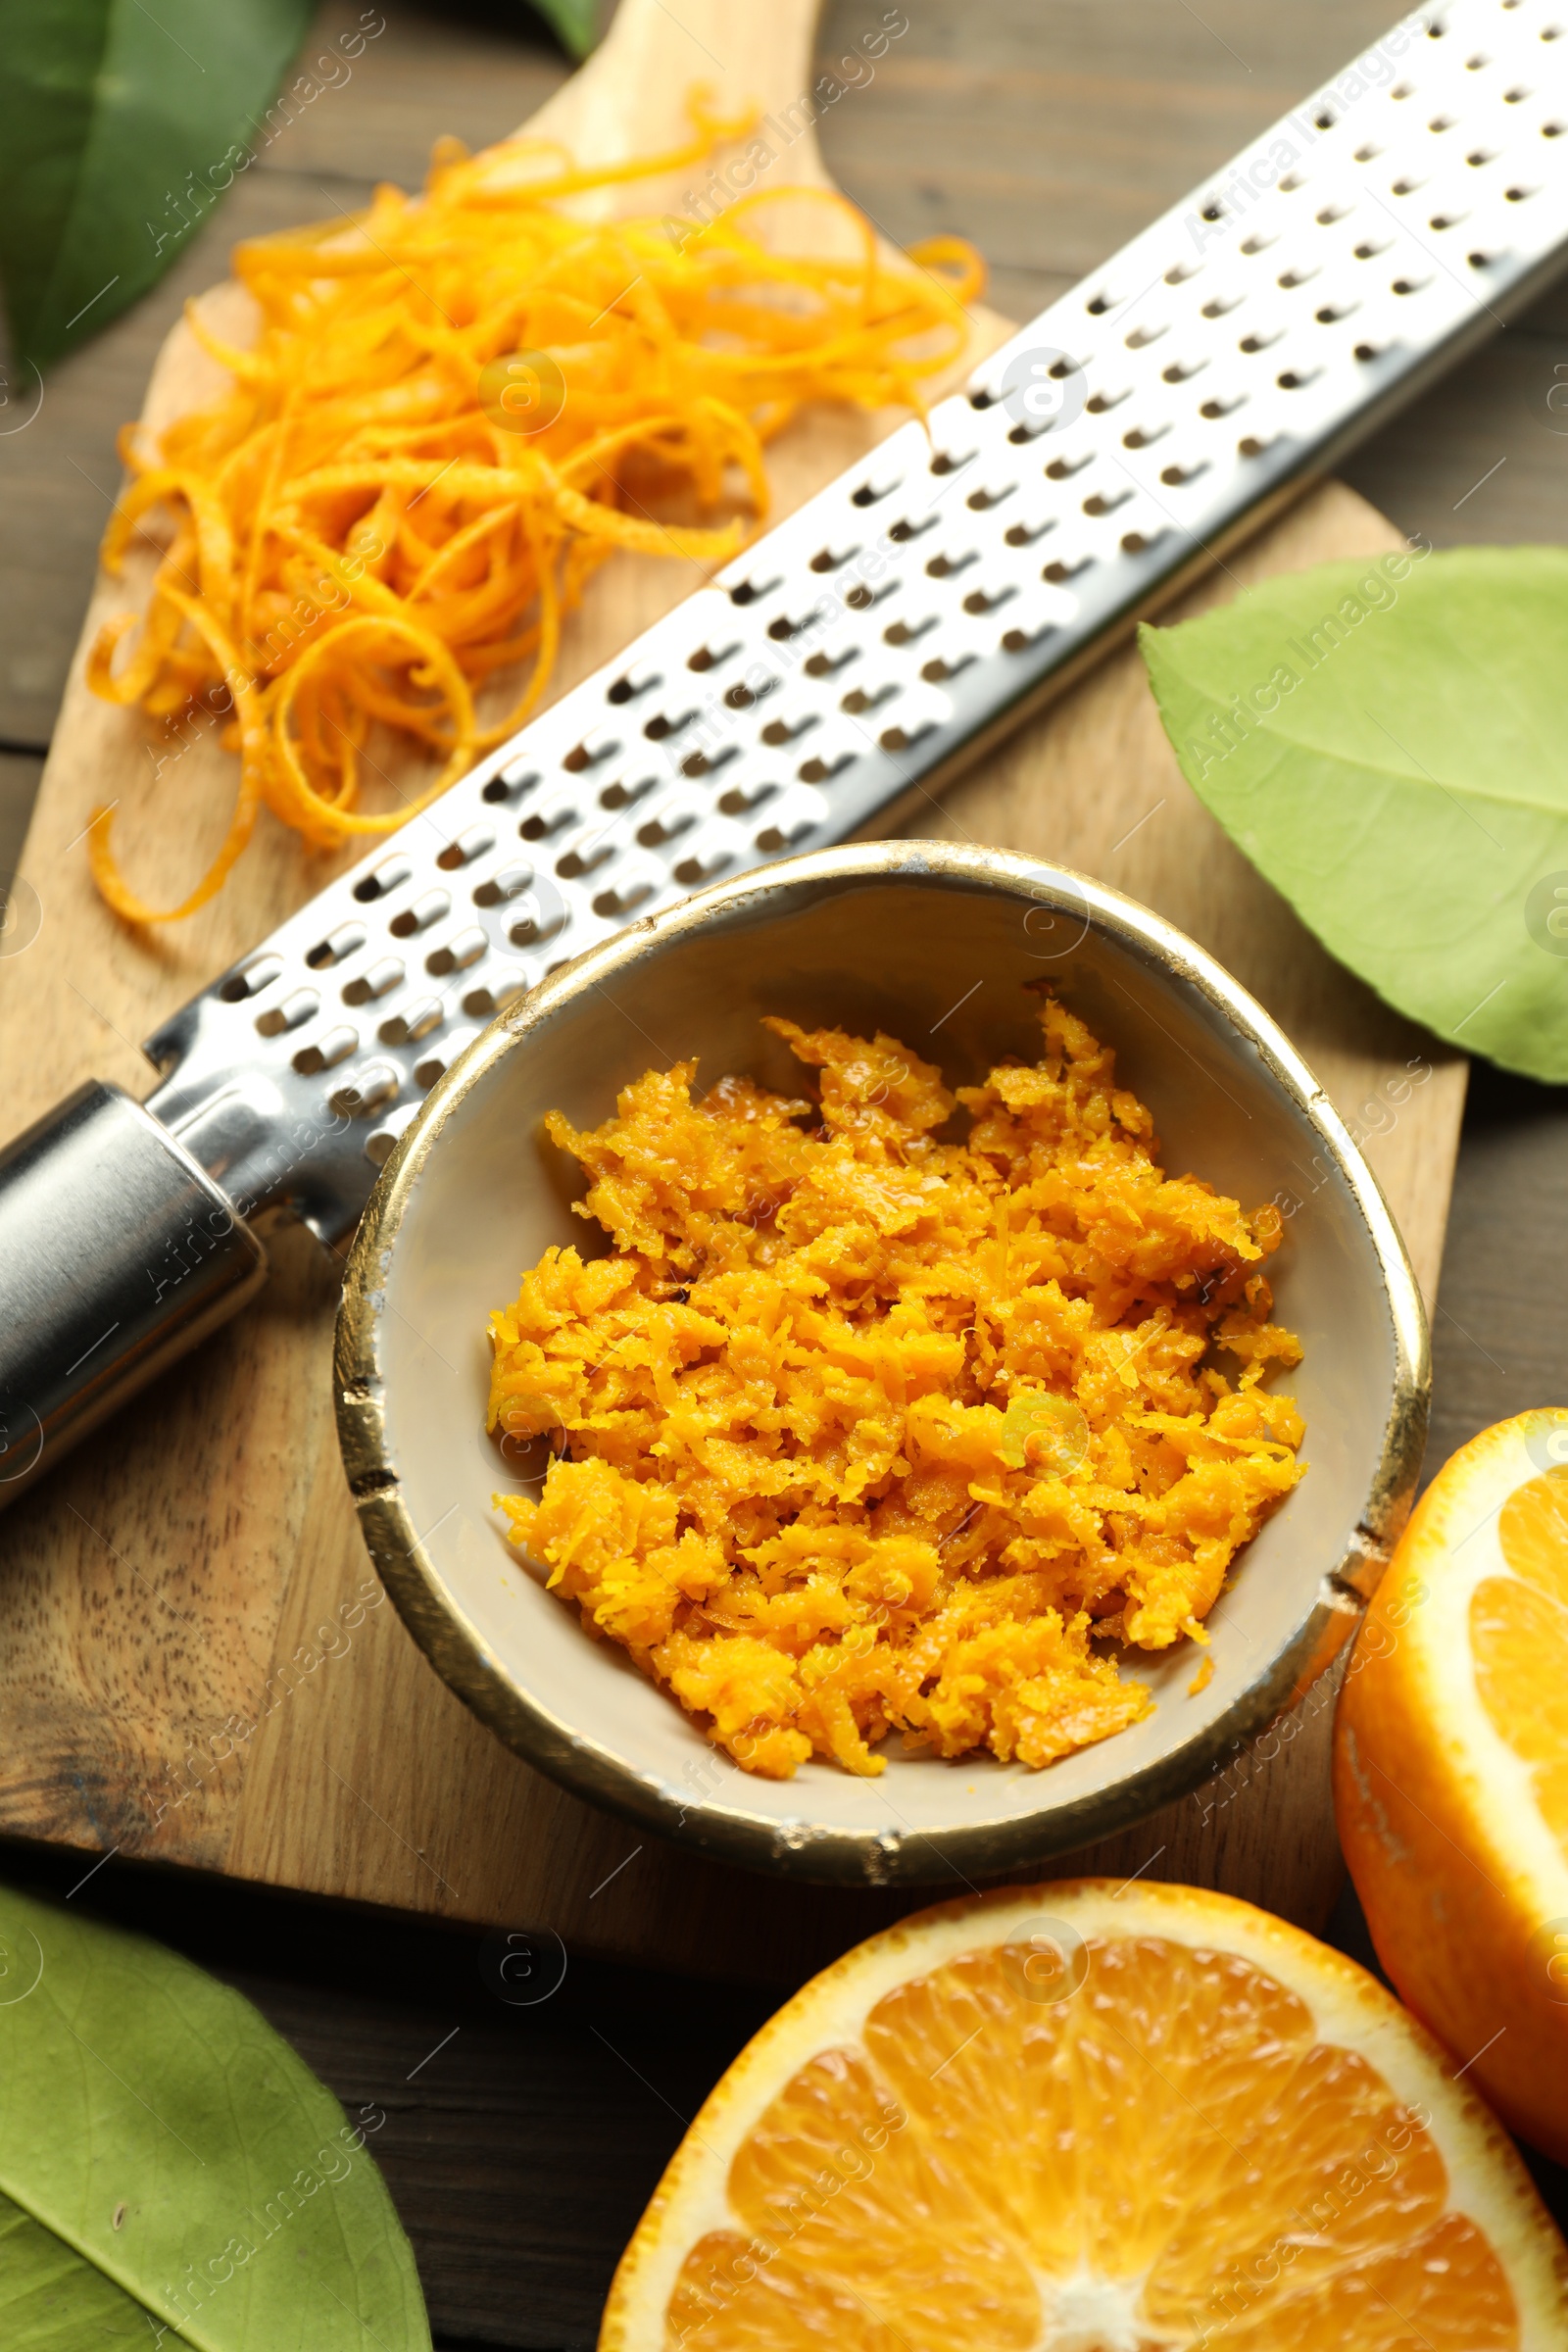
(935, 944)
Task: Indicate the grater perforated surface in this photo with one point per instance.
(858, 653)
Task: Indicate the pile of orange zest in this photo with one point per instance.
(360, 533)
(859, 1430)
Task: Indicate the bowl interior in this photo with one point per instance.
(943, 961)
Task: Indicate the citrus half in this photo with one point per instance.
(1451, 1777)
(1078, 2118)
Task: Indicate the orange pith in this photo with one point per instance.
(1519, 1639)
(1099, 2142)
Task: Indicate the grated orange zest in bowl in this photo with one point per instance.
(858, 1429)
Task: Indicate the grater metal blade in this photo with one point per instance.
(853, 656)
(848, 663)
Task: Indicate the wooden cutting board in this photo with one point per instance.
(155, 1588)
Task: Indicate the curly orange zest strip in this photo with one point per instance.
(455, 408)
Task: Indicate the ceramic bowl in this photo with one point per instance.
(935, 944)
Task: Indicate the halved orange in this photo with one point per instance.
(1451, 1768)
(1083, 2117)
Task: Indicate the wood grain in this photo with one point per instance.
(170, 1695)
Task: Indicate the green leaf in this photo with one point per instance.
(121, 124)
(573, 21)
(1387, 743)
(170, 2171)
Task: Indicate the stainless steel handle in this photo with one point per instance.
(117, 1253)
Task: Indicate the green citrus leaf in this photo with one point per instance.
(119, 128)
(1387, 743)
(170, 2171)
(573, 21)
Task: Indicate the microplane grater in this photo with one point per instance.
(855, 656)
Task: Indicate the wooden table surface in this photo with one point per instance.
(521, 2153)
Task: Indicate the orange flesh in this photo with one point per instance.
(1519, 1639)
(1169, 2156)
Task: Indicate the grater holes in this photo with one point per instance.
(1102, 503)
(1178, 477)
(1141, 336)
(980, 501)
(982, 399)
(858, 702)
(378, 981)
(1477, 64)
(1363, 155)
(860, 599)
(704, 763)
(1098, 304)
(545, 822)
(1250, 446)
(823, 666)
(1141, 437)
(826, 561)
(1181, 271)
(1515, 97)
(1139, 543)
(259, 974)
(1366, 251)
(1406, 186)
(1020, 535)
(406, 1028)
(589, 753)
(742, 797)
(497, 889)
(1330, 313)
(1289, 279)
(818, 770)
(1019, 641)
(1293, 180)
(1441, 221)
(870, 494)
(347, 940)
(1258, 244)
(938, 671)
(1102, 403)
(294, 1012)
(662, 727)
(902, 532)
(906, 633)
(424, 911)
(668, 825)
(466, 848)
(510, 785)
(621, 897)
(706, 658)
(570, 865)
(325, 1053)
(427, 1071)
(1061, 469)
(1439, 123)
(946, 567)
(981, 600)
(1479, 156)
(1402, 90)
(1213, 408)
(1518, 195)
(1182, 372)
(619, 795)
(1551, 131)
(388, 876)
(1059, 573)
(1217, 306)
(746, 592)
(784, 730)
(944, 462)
(1368, 351)
(702, 866)
(1254, 343)
(627, 690)
(370, 1088)
(1295, 379)
(1411, 286)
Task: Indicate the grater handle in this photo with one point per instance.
(117, 1253)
